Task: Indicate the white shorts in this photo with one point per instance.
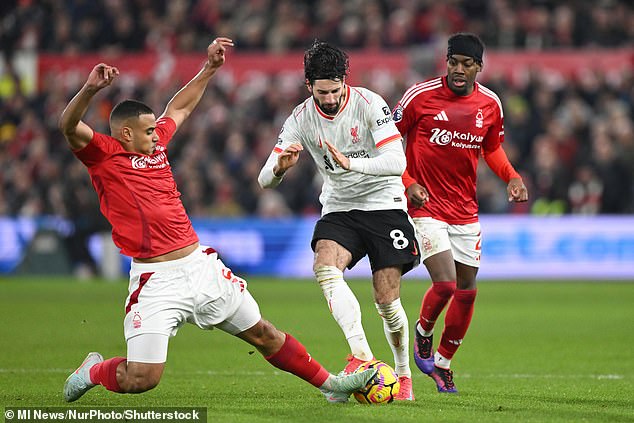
(435, 236)
(198, 289)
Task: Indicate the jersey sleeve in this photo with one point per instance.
(99, 147)
(404, 114)
(289, 134)
(165, 129)
(381, 123)
(495, 134)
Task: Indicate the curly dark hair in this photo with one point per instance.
(324, 61)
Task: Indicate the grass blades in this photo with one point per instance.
(535, 352)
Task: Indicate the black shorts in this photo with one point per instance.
(386, 236)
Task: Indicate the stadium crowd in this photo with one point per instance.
(274, 25)
(572, 140)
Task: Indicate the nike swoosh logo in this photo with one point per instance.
(415, 252)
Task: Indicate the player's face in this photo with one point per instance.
(461, 73)
(144, 137)
(328, 95)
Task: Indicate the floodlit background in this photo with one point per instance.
(564, 72)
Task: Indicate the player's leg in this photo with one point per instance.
(387, 301)
(336, 247)
(119, 374)
(157, 305)
(438, 259)
(392, 250)
(465, 244)
(459, 313)
(283, 351)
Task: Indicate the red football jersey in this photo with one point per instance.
(138, 195)
(445, 133)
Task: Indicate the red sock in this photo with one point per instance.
(294, 358)
(434, 301)
(457, 321)
(105, 373)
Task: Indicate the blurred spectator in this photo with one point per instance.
(184, 25)
(572, 140)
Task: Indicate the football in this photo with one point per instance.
(382, 388)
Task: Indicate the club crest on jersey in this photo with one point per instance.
(397, 114)
(136, 320)
(355, 134)
(479, 119)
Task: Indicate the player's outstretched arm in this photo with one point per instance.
(186, 99)
(76, 132)
(277, 164)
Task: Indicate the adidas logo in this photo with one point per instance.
(442, 116)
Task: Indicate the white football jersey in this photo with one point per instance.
(362, 125)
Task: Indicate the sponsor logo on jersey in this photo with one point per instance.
(442, 116)
(479, 119)
(383, 121)
(397, 114)
(157, 161)
(456, 138)
(355, 134)
(356, 154)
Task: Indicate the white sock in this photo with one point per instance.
(424, 332)
(396, 331)
(345, 309)
(441, 361)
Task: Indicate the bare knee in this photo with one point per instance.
(139, 377)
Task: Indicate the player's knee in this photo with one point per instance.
(444, 289)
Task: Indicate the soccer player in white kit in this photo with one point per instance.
(349, 133)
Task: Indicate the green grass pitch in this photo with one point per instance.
(536, 352)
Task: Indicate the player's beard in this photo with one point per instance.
(332, 109)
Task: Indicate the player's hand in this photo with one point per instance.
(216, 51)
(517, 191)
(341, 160)
(287, 159)
(417, 195)
(101, 76)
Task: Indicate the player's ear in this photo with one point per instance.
(126, 134)
(479, 66)
(309, 86)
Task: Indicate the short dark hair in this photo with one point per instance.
(324, 61)
(465, 44)
(129, 108)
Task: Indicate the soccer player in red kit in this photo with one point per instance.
(173, 279)
(448, 122)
